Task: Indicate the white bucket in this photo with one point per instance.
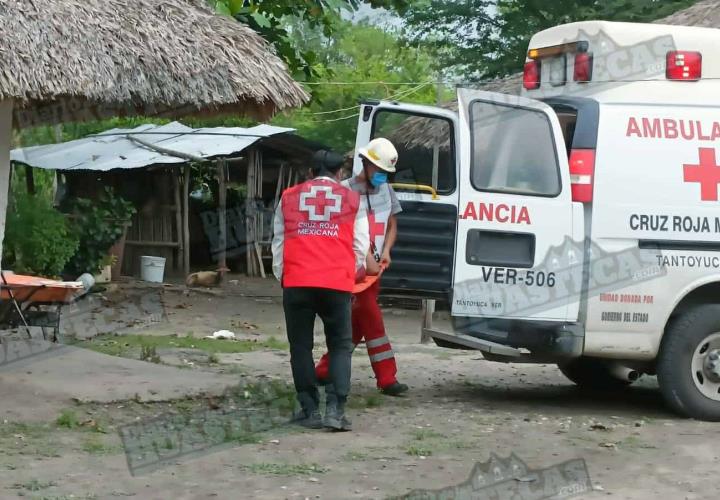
(152, 268)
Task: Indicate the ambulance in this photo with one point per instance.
(577, 223)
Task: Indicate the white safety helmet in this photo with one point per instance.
(381, 153)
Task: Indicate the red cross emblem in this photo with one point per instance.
(376, 228)
(707, 173)
(320, 202)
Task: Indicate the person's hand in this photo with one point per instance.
(360, 275)
(371, 266)
(385, 260)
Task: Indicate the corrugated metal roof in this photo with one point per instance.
(112, 148)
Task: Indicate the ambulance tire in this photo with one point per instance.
(674, 367)
(593, 374)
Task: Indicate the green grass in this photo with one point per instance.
(67, 419)
(33, 485)
(94, 445)
(426, 434)
(26, 430)
(370, 400)
(285, 469)
(131, 345)
(419, 451)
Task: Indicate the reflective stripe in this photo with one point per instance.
(374, 358)
(377, 342)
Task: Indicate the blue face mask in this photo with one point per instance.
(378, 178)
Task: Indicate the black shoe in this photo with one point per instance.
(335, 419)
(310, 420)
(395, 389)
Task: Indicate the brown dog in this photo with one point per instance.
(206, 278)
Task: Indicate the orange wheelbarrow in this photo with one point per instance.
(31, 301)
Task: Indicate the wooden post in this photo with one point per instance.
(250, 214)
(222, 225)
(179, 253)
(29, 180)
(6, 107)
(186, 221)
(428, 308)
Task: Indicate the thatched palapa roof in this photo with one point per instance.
(419, 132)
(84, 59)
(705, 14)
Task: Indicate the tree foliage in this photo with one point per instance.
(267, 17)
(481, 39)
(38, 238)
(350, 65)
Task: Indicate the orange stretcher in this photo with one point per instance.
(367, 281)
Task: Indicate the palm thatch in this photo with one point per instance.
(419, 132)
(705, 14)
(70, 60)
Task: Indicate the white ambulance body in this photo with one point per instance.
(578, 224)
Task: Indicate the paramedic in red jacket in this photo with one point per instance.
(320, 244)
(378, 199)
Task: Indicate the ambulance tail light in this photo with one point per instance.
(531, 75)
(583, 67)
(683, 65)
(582, 174)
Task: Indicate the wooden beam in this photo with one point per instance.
(6, 107)
(165, 151)
(186, 221)
(179, 259)
(222, 225)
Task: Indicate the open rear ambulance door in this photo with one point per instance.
(515, 256)
(426, 185)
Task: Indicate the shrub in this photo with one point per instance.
(99, 224)
(38, 239)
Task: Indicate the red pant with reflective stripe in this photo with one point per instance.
(367, 323)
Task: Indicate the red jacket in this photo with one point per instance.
(321, 236)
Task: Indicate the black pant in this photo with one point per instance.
(301, 305)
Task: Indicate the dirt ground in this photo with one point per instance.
(61, 413)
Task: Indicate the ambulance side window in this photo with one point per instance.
(416, 158)
(513, 150)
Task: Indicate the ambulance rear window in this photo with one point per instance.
(513, 150)
(428, 164)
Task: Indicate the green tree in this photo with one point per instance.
(267, 17)
(350, 65)
(482, 39)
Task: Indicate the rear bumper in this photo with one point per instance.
(522, 342)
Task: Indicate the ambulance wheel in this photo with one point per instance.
(591, 373)
(688, 367)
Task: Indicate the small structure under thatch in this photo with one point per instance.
(418, 132)
(71, 60)
(150, 166)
